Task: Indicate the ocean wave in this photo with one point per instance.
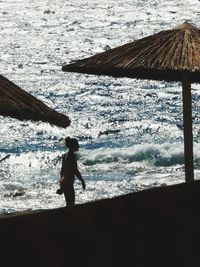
(156, 154)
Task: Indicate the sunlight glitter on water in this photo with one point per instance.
(130, 131)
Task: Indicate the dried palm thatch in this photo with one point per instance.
(171, 55)
(19, 104)
(166, 55)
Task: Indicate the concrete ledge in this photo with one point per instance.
(155, 227)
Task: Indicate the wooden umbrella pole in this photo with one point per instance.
(187, 123)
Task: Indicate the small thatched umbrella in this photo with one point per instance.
(171, 55)
(19, 104)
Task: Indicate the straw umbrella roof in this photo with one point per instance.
(171, 55)
(19, 104)
(166, 55)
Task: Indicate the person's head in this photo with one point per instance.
(72, 143)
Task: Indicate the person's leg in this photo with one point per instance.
(70, 196)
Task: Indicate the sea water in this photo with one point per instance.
(130, 131)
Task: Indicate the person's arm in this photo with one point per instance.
(79, 176)
(61, 171)
(77, 173)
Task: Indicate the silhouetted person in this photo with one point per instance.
(68, 172)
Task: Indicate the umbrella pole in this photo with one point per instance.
(187, 123)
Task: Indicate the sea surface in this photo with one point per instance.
(130, 131)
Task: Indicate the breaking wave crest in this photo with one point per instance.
(159, 155)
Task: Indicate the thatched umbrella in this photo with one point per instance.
(171, 55)
(19, 104)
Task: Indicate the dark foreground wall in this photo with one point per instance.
(156, 227)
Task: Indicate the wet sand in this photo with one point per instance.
(154, 227)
